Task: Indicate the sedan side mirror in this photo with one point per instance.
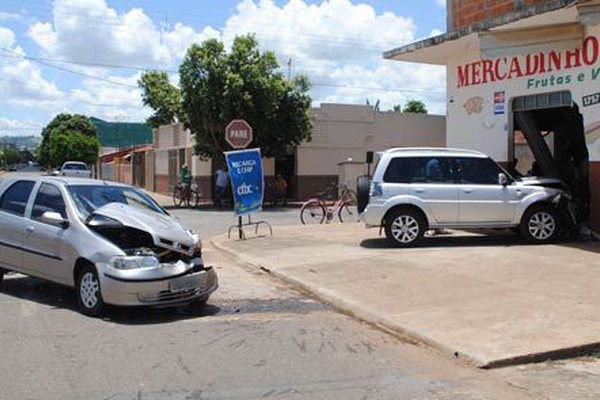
(54, 218)
(502, 179)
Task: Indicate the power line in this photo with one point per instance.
(348, 41)
(34, 59)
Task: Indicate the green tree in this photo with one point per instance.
(73, 146)
(397, 108)
(217, 87)
(415, 106)
(11, 156)
(69, 130)
(160, 95)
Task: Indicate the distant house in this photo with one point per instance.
(118, 135)
(123, 147)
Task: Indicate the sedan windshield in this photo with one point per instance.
(88, 198)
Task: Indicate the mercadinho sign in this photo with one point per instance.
(534, 64)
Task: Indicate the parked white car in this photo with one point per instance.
(109, 241)
(417, 189)
(75, 168)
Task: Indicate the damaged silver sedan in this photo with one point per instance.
(111, 242)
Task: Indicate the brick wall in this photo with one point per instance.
(465, 13)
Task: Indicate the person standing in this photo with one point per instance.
(221, 182)
(280, 188)
(185, 179)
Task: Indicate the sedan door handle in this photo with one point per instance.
(468, 191)
(30, 229)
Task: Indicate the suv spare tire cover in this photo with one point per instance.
(363, 185)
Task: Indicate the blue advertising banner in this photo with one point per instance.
(246, 174)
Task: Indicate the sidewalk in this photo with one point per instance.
(491, 300)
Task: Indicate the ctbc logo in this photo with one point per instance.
(238, 134)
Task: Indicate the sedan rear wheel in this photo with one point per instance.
(2, 272)
(89, 295)
(404, 228)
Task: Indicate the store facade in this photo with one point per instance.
(534, 74)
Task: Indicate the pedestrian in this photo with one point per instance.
(221, 182)
(185, 180)
(280, 188)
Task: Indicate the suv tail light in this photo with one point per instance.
(376, 189)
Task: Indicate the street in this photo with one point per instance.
(258, 337)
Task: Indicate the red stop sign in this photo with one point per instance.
(238, 134)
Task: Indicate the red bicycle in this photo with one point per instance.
(319, 210)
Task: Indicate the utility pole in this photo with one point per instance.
(289, 63)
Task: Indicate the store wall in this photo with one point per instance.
(343, 132)
(464, 13)
(481, 88)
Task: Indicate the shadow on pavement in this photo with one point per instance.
(449, 241)
(60, 297)
(481, 239)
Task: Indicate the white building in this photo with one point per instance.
(530, 69)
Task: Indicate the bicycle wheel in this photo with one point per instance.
(351, 196)
(196, 198)
(312, 212)
(347, 211)
(177, 198)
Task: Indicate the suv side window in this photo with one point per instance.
(48, 198)
(400, 170)
(419, 170)
(15, 198)
(480, 171)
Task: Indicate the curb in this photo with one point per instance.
(403, 333)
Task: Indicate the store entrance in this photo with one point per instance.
(553, 132)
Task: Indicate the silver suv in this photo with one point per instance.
(414, 190)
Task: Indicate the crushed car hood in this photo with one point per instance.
(542, 181)
(165, 230)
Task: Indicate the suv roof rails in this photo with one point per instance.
(449, 150)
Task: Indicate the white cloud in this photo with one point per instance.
(5, 16)
(7, 38)
(91, 32)
(13, 127)
(109, 101)
(339, 44)
(21, 81)
(441, 3)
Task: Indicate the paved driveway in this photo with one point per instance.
(492, 300)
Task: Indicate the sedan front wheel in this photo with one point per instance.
(89, 295)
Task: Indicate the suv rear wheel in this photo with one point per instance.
(540, 224)
(404, 227)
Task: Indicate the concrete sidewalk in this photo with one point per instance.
(491, 300)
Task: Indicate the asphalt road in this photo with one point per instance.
(211, 222)
(256, 338)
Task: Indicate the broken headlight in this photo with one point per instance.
(135, 262)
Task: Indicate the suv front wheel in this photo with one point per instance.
(404, 227)
(540, 224)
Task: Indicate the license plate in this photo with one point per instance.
(183, 283)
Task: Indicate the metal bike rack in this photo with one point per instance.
(240, 225)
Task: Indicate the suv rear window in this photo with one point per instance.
(74, 166)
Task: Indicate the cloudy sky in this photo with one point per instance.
(85, 56)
